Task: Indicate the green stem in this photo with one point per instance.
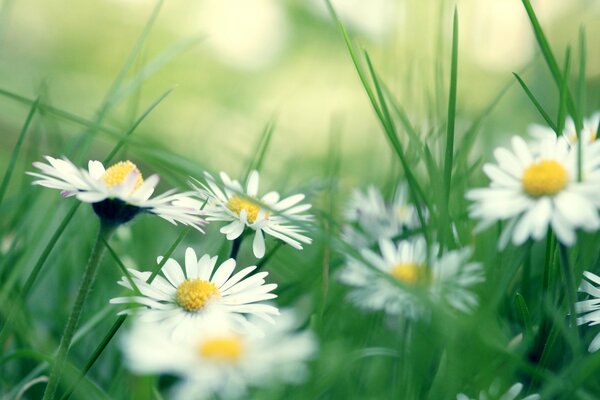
(569, 283)
(235, 246)
(86, 284)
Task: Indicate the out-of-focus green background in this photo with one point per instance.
(260, 60)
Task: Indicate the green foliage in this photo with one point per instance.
(521, 331)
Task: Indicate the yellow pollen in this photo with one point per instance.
(545, 178)
(221, 349)
(193, 294)
(237, 204)
(409, 273)
(116, 174)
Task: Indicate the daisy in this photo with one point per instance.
(370, 218)
(513, 393)
(535, 190)
(117, 193)
(590, 309)
(589, 131)
(243, 209)
(194, 293)
(396, 278)
(214, 360)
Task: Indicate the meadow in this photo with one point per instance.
(299, 200)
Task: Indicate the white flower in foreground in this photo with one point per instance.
(243, 209)
(214, 360)
(370, 218)
(193, 294)
(534, 190)
(589, 131)
(445, 280)
(117, 193)
(589, 310)
(513, 393)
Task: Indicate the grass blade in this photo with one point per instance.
(261, 148)
(564, 87)
(390, 130)
(537, 104)
(119, 322)
(110, 99)
(550, 59)
(134, 126)
(451, 111)
(15, 153)
(58, 233)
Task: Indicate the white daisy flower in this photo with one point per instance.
(243, 209)
(370, 218)
(445, 280)
(589, 131)
(589, 310)
(534, 190)
(513, 393)
(117, 193)
(216, 361)
(193, 293)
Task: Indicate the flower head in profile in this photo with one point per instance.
(533, 190)
(402, 278)
(494, 392)
(214, 360)
(184, 295)
(370, 218)
(280, 218)
(117, 193)
(589, 131)
(589, 309)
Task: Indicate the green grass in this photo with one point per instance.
(520, 332)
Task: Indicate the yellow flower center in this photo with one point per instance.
(193, 294)
(221, 349)
(116, 174)
(572, 136)
(409, 273)
(545, 178)
(237, 204)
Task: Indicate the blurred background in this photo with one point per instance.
(236, 65)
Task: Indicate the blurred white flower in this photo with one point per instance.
(535, 187)
(244, 34)
(498, 34)
(215, 360)
(243, 209)
(374, 18)
(493, 393)
(402, 278)
(371, 218)
(590, 309)
(185, 296)
(589, 131)
(117, 193)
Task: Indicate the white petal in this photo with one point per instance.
(172, 271)
(191, 263)
(223, 272)
(258, 244)
(252, 187)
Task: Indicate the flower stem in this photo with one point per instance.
(235, 246)
(569, 283)
(89, 276)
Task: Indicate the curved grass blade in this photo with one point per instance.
(15, 153)
(550, 59)
(537, 104)
(449, 154)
